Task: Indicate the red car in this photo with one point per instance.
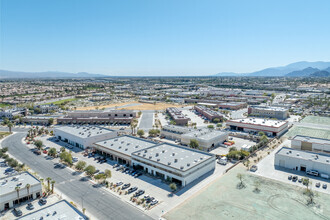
(45, 152)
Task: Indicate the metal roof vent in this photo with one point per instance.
(119, 147)
(157, 154)
(181, 167)
(169, 163)
(150, 157)
(145, 151)
(158, 160)
(173, 154)
(297, 154)
(175, 160)
(188, 164)
(126, 149)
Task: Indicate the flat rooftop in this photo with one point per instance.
(84, 131)
(9, 183)
(205, 134)
(270, 108)
(126, 144)
(259, 121)
(312, 139)
(60, 210)
(305, 155)
(174, 156)
(175, 128)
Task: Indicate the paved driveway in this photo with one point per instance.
(98, 202)
(147, 120)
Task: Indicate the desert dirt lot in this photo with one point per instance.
(133, 106)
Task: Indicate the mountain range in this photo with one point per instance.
(298, 69)
(49, 74)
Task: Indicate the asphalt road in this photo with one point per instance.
(100, 203)
(147, 120)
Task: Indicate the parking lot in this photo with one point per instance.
(267, 169)
(25, 208)
(239, 142)
(152, 186)
(194, 117)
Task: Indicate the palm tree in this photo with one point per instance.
(27, 186)
(48, 182)
(17, 190)
(10, 125)
(53, 183)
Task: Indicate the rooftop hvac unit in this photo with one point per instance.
(150, 157)
(188, 164)
(157, 154)
(126, 149)
(181, 167)
(168, 163)
(175, 160)
(158, 160)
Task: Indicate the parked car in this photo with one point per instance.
(119, 183)
(139, 193)
(300, 180)
(324, 186)
(137, 175)
(17, 212)
(42, 201)
(313, 172)
(132, 189)
(125, 186)
(115, 165)
(75, 159)
(290, 177)
(148, 200)
(294, 178)
(318, 184)
(154, 202)
(30, 206)
(254, 168)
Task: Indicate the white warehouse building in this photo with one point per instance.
(83, 136)
(206, 138)
(8, 193)
(307, 143)
(179, 164)
(168, 161)
(255, 125)
(302, 160)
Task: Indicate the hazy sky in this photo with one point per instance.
(162, 37)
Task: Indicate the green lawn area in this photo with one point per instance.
(3, 134)
(61, 101)
(276, 200)
(312, 132)
(317, 120)
(2, 105)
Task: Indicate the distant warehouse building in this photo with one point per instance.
(9, 197)
(306, 143)
(39, 120)
(208, 113)
(167, 161)
(206, 138)
(255, 125)
(232, 105)
(268, 112)
(98, 117)
(177, 116)
(302, 160)
(83, 136)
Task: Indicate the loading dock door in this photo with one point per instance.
(306, 146)
(303, 168)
